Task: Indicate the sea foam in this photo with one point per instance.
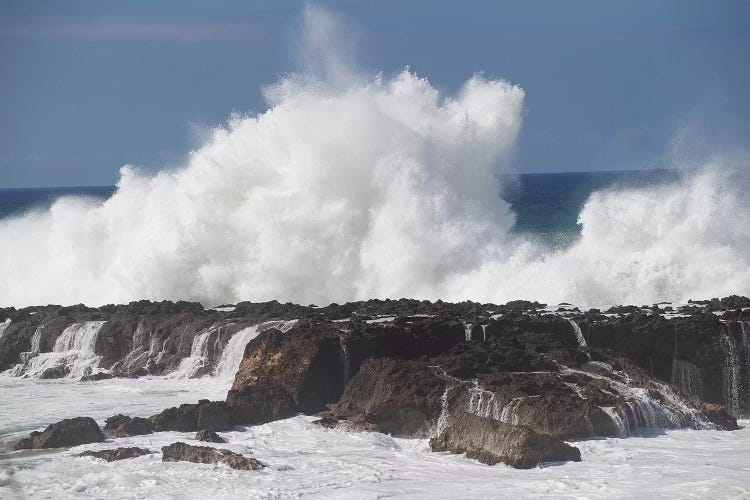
(362, 188)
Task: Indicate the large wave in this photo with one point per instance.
(380, 188)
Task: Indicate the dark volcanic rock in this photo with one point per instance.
(490, 442)
(511, 359)
(209, 436)
(720, 417)
(305, 365)
(313, 362)
(327, 421)
(122, 426)
(214, 415)
(181, 452)
(396, 397)
(68, 432)
(117, 453)
(257, 405)
(183, 419)
(95, 377)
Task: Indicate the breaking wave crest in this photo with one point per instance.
(380, 188)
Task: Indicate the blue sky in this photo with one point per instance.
(87, 86)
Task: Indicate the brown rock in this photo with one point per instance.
(123, 426)
(719, 416)
(181, 452)
(117, 453)
(491, 441)
(68, 432)
(396, 397)
(209, 436)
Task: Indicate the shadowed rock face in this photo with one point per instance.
(181, 452)
(307, 368)
(312, 363)
(720, 417)
(213, 415)
(259, 404)
(396, 397)
(145, 338)
(209, 436)
(117, 453)
(491, 442)
(692, 352)
(68, 432)
(123, 426)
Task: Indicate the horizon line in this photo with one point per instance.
(618, 170)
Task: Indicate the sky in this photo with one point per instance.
(88, 86)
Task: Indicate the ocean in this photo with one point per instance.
(545, 204)
(151, 235)
(398, 197)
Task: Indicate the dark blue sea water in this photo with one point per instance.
(545, 204)
(15, 201)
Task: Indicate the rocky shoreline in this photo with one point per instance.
(501, 383)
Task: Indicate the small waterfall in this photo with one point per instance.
(654, 406)
(450, 383)
(73, 355)
(344, 361)
(688, 377)
(36, 345)
(579, 335)
(198, 359)
(468, 331)
(482, 402)
(509, 414)
(234, 351)
(141, 351)
(442, 420)
(469, 327)
(617, 420)
(3, 326)
(731, 373)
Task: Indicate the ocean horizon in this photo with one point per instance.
(545, 204)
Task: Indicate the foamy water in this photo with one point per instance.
(307, 461)
(352, 187)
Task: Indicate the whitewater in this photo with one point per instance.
(310, 461)
(350, 187)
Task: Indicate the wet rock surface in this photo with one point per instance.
(213, 415)
(397, 397)
(492, 442)
(406, 367)
(116, 454)
(209, 436)
(123, 426)
(181, 452)
(63, 434)
(697, 346)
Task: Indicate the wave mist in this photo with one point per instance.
(370, 188)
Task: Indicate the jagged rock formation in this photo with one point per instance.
(704, 348)
(181, 452)
(406, 367)
(123, 426)
(491, 442)
(209, 436)
(212, 415)
(68, 432)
